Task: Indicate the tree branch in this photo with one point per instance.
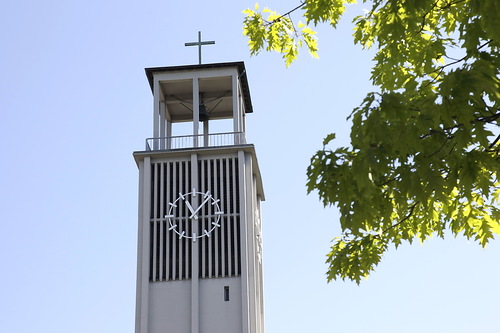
(440, 69)
(485, 119)
(435, 5)
(268, 23)
(489, 119)
(494, 142)
(440, 148)
(386, 182)
(410, 213)
(346, 236)
(433, 131)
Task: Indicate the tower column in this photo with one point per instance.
(169, 134)
(236, 113)
(195, 283)
(142, 308)
(196, 111)
(244, 255)
(156, 113)
(162, 124)
(205, 134)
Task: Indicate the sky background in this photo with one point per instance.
(75, 103)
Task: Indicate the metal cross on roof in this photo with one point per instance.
(199, 43)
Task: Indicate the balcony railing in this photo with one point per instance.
(196, 141)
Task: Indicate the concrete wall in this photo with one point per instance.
(216, 314)
(170, 307)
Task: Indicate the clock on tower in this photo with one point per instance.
(199, 246)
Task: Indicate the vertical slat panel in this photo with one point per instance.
(154, 216)
(203, 240)
(173, 238)
(178, 241)
(222, 197)
(236, 219)
(218, 241)
(206, 221)
(189, 242)
(215, 184)
(168, 263)
(161, 220)
(182, 222)
(229, 220)
(219, 253)
(185, 220)
(208, 175)
(226, 246)
(151, 249)
(185, 241)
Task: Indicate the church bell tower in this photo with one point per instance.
(199, 266)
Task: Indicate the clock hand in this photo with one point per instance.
(193, 212)
(199, 207)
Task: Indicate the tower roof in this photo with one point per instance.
(239, 65)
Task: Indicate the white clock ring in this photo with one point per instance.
(194, 215)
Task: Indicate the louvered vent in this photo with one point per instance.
(219, 254)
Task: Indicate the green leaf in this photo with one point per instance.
(328, 138)
(425, 148)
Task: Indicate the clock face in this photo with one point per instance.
(194, 214)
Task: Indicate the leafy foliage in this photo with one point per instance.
(424, 157)
(279, 33)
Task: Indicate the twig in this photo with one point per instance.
(410, 213)
(489, 119)
(287, 13)
(494, 142)
(464, 58)
(440, 148)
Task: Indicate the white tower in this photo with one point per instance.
(199, 245)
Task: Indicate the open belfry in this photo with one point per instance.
(199, 266)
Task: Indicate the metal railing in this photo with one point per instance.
(195, 141)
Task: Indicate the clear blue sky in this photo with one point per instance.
(75, 104)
